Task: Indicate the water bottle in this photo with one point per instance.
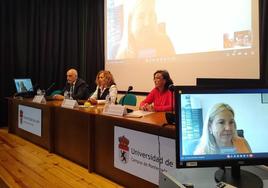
(108, 99)
(43, 92)
(70, 94)
(71, 91)
(112, 99)
(66, 94)
(39, 92)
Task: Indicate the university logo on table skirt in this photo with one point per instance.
(123, 149)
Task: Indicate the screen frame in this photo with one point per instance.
(212, 90)
(188, 74)
(28, 90)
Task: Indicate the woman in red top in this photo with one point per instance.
(160, 98)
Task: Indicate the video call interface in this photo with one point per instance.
(170, 27)
(249, 122)
(23, 85)
(201, 38)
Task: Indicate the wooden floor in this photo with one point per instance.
(23, 165)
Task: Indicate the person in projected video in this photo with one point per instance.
(143, 37)
(220, 134)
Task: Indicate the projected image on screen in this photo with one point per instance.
(189, 38)
(219, 126)
(152, 28)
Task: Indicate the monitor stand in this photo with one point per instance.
(238, 178)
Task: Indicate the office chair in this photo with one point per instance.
(56, 92)
(128, 99)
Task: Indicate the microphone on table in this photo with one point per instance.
(49, 88)
(130, 88)
(170, 116)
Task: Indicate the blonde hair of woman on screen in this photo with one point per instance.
(220, 133)
(142, 36)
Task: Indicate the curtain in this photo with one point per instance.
(42, 39)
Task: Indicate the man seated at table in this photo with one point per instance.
(76, 87)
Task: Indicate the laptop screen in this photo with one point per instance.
(23, 85)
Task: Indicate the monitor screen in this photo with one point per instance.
(23, 85)
(221, 127)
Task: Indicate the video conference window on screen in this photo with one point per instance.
(23, 85)
(250, 117)
(165, 28)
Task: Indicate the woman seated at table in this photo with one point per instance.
(106, 88)
(160, 98)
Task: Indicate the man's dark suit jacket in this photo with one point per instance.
(81, 90)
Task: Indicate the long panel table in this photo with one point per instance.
(86, 136)
(47, 122)
(104, 144)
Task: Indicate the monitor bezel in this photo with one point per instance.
(212, 163)
(28, 91)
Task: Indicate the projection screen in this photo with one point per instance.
(189, 38)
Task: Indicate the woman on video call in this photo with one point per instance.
(220, 133)
(142, 35)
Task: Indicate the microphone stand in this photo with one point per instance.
(123, 99)
(49, 88)
(128, 90)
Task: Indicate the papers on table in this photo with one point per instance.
(101, 101)
(138, 114)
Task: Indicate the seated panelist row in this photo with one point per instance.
(78, 89)
(106, 87)
(159, 99)
(75, 87)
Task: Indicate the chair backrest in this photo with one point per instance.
(129, 99)
(56, 92)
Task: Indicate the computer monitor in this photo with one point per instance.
(223, 82)
(223, 128)
(23, 85)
